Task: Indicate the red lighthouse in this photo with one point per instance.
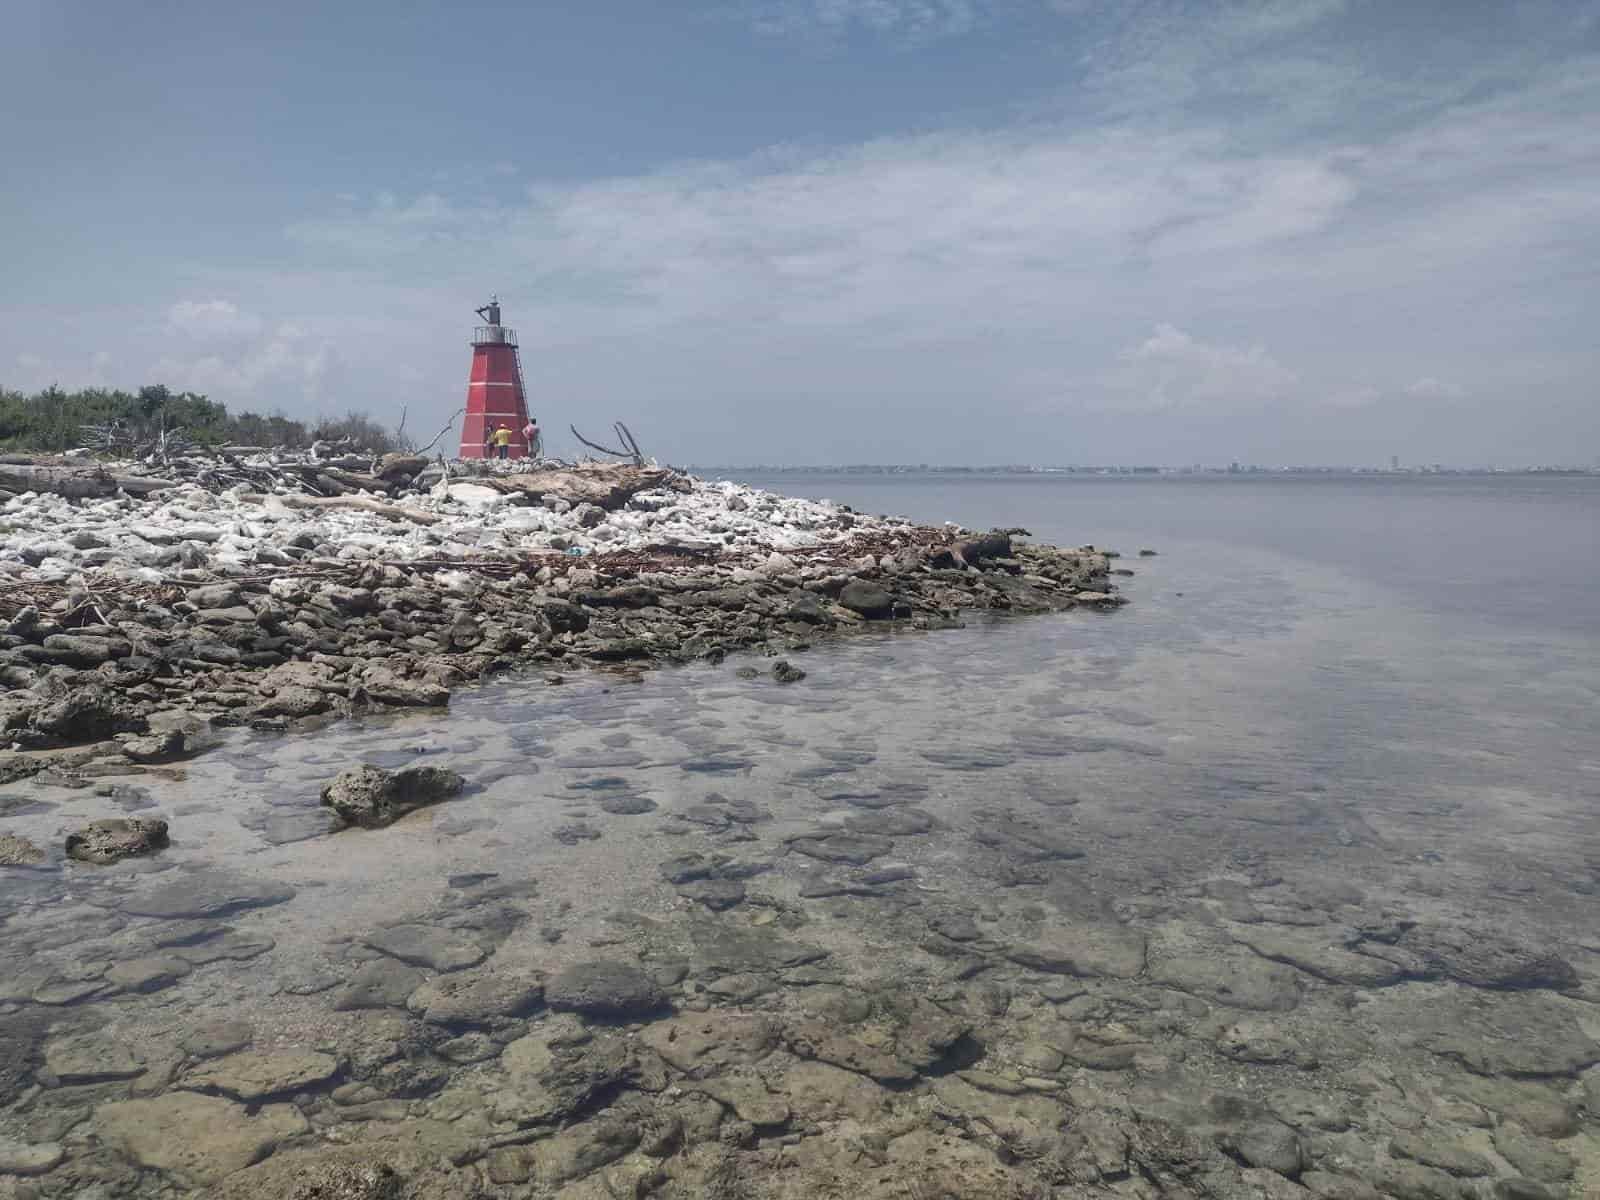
(495, 395)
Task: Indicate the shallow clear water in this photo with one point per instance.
(1362, 701)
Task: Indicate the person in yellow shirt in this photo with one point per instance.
(502, 440)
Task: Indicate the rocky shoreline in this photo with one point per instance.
(131, 622)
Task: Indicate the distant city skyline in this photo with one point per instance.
(1314, 231)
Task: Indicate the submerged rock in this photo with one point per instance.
(92, 1058)
(204, 894)
(384, 983)
(1103, 949)
(414, 1167)
(19, 852)
(605, 989)
(256, 1075)
(25, 1158)
(373, 797)
(197, 1140)
(428, 946)
(855, 849)
(479, 998)
(117, 838)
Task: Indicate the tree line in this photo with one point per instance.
(54, 420)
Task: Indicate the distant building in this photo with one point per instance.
(1394, 462)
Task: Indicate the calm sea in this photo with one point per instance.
(1519, 553)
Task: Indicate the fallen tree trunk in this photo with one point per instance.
(78, 485)
(358, 503)
(609, 486)
(350, 479)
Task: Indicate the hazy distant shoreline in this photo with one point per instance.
(1144, 472)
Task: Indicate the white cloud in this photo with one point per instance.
(292, 367)
(211, 320)
(905, 20)
(1355, 396)
(1172, 369)
(1429, 388)
(34, 372)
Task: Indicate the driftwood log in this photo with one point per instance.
(77, 484)
(356, 503)
(609, 486)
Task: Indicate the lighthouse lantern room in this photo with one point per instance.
(495, 395)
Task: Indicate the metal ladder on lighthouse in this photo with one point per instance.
(522, 390)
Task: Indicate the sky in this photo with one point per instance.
(829, 231)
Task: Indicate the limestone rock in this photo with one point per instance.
(428, 946)
(1270, 1145)
(700, 1043)
(147, 974)
(157, 747)
(1535, 1157)
(25, 1158)
(256, 1075)
(746, 1094)
(1103, 949)
(550, 1077)
(116, 838)
(205, 894)
(867, 598)
(1323, 955)
(604, 989)
(19, 851)
(385, 983)
(584, 1148)
(92, 1058)
(479, 998)
(815, 1040)
(1519, 1034)
(1240, 980)
(819, 1091)
(1434, 1151)
(373, 797)
(198, 1140)
(852, 848)
(1488, 959)
(215, 1038)
(716, 894)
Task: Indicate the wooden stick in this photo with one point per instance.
(356, 503)
(78, 484)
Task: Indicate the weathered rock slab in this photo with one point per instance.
(204, 894)
(198, 1140)
(481, 998)
(1237, 979)
(428, 946)
(1098, 949)
(256, 1075)
(604, 989)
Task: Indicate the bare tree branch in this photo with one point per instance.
(631, 447)
(448, 426)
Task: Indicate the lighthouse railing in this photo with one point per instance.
(494, 335)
